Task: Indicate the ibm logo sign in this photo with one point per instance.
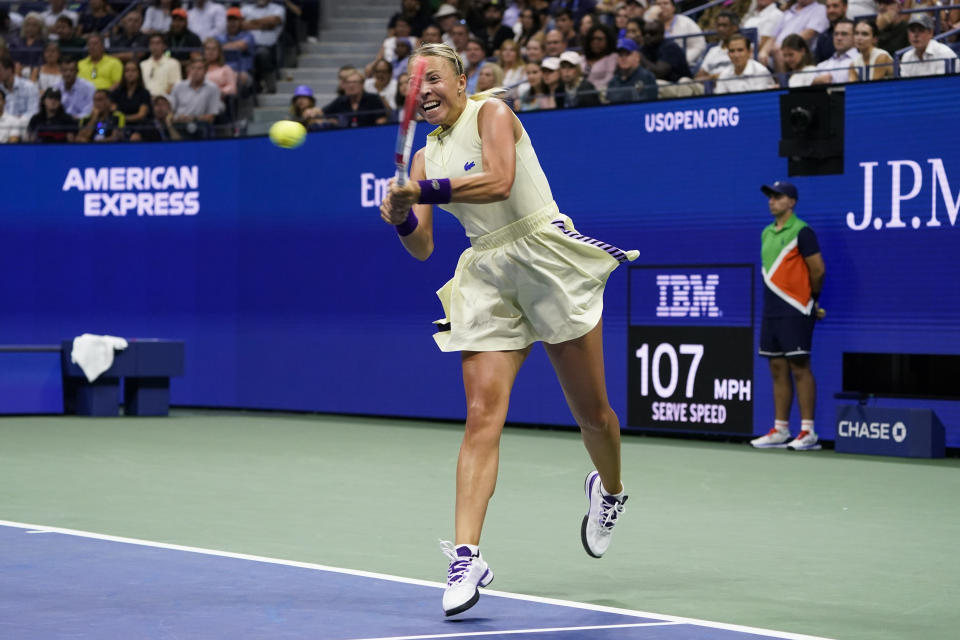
(688, 296)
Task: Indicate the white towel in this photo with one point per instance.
(94, 354)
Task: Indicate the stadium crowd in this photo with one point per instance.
(162, 70)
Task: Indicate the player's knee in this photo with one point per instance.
(596, 419)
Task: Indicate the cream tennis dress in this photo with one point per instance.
(528, 275)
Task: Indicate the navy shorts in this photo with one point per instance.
(786, 337)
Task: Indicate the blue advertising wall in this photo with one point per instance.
(290, 293)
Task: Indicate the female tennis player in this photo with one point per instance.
(528, 277)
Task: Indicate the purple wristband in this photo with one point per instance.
(436, 191)
(407, 227)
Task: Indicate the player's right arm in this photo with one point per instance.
(419, 244)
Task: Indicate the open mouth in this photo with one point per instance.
(430, 106)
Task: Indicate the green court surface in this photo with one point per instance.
(816, 543)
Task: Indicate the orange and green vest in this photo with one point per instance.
(785, 271)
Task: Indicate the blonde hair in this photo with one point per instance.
(445, 51)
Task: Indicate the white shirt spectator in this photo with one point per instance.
(860, 65)
(934, 62)
(12, 126)
(684, 26)
(23, 99)
(78, 99)
(755, 77)
(765, 22)
(857, 8)
(265, 37)
(716, 60)
(159, 76)
(388, 94)
(514, 77)
(838, 65)
(797, 19)
(209, 21)
(50, 18)
(802, 78)
(155, 21)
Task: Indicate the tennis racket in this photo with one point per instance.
(407, 122)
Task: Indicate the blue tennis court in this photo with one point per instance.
(60, 583)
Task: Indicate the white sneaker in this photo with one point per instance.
(466, 573)
(775, 439)
(805, 441)
(602, 514)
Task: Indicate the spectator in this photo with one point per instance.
(104, 124)
(207, 19)
(129, 43)
(27, 50)
(836, 68)
(620, 20)
(402, 49)
(489, 77)
(459, 37)
(634, 31)
(159, 71)
(342, 74)
(716, 59)
(104, 71)
(575, 8)
(927, 56)
(891, 26)
(474, 60)
(161, 126)
(745, 73)
(533, 93)
(586, 22)
(446, 17)
(554, 44)
(550, 73)
(508, 57)
(600, 59)
(388, 50)
(382, 83)
(871, 63)
(57, 9)
(180, 39)
(860, 8)
(23, 98)
(564, 24)
(535, 51)
(675, 25)
(823, 45)
(798, 61)
(764, 16)
(400, 98)
(417, 14)
(303, 108)
(51, 123)
(196, 102)
(217, 70)
(494, 32)
(527, 26)
(239, 47)
(96, 17)
(11, 126)
(356, 108)
(157, 18)
(69, 42)
(132, 99)
(805, 17)
(431, 35)
(631, 82)
(264, 21)
(47, 75)
(661, 57)
(574, 90)
(76, 93)
(791, 258)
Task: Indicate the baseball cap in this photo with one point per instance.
(628, 44)
(303, 90)
(922, 19)
(571, 57)
(446, 10)
(182, 13)
(234, 12)
(552, 63)
(780, 187)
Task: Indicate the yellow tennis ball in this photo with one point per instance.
(287, 134)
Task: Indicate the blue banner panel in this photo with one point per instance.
(692, 295)
(907, 433)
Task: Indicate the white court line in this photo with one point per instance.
(471, 634)
(425, 583)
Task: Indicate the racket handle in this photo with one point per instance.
(401, 176)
